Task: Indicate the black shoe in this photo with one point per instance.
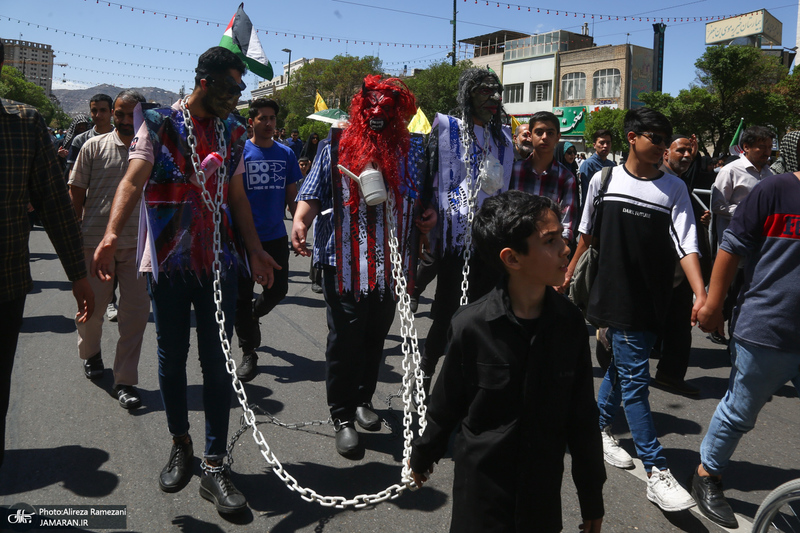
(93, 367)
(367, 418)
(346, 438)
(676, 385)
(216, 486)
(707, 492)
(716, 338)
(316, 288)
(249, 367)
(414, 304)
(178, 470)
(128, 397)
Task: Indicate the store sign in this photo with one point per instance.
(572, 119)
(759, 22)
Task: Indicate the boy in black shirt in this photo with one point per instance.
(518, 379)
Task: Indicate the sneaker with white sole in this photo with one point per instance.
(111, 312)
(613, 452)
(664, 491)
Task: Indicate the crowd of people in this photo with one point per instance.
(184, 207)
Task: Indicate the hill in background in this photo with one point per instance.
(74, 101)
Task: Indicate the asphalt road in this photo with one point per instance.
(69, 443)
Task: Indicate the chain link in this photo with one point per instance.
(307, 494)
(473, 188)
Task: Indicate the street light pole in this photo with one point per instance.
(289, 73)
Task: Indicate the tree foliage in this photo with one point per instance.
(336, 81)
(609, 119)
(734, 82)
(14, 86)
(437, 86)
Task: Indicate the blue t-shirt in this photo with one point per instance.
(267, 172)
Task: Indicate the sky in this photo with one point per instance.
(147, 43)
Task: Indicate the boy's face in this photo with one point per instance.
(546, 261)
(544, 137)
(648, 145)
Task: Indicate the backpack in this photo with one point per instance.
(580, 286)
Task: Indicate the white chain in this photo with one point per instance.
(307, 494)
(472, 196)
(412, 371)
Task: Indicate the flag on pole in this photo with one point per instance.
(734, 148)
(241, 39)
(514, 125)
(319, 103)
(419, 123)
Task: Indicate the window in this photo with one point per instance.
(607, 83)
(573, 86)
(512, 94)
(541, 91)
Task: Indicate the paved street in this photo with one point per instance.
(69, 442)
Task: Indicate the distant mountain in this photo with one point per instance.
(75, 101)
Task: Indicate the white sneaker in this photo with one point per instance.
(111, 312)
(612, 452)
(664, 491)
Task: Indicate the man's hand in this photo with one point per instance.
(705, 218)
(63, 152)
(103, 261)
(419, 478)
(263, 267)
(427, 220)
(699, 303)
(711, 319)
(591, 526)
(299, 232)
(567, 279)
(85, 297)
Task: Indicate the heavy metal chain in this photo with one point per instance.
(307, 494)
(412, 370)
(473, 188)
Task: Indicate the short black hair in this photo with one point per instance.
(131, 96)
(303, 158)
(601, 133)
(100, 97)
(545, 116)
(753, 134)
(646, 119)
(217, 61)
(506, 221)
(295, 130)
(259, 103)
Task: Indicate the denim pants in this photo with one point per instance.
(172, 300)
(756, 373)
(627, 381)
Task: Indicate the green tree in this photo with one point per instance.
(609, 119)
(336, 81)
(14, 86)
(437, 86)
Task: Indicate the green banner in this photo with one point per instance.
(572, 119)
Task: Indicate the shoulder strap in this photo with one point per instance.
(605, 178)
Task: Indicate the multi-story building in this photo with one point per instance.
(268, 88)
(34, 60)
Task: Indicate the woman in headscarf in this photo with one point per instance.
(310, 148)
(565, 154)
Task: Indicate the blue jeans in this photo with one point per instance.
(627, 381)
(756, 373)
(172, 300)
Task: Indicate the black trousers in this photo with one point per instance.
(482, 279)
(357, 330)
(676, 336)
(10, 324)
(247, 328)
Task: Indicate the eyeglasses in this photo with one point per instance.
(654, 138)
(234, 88)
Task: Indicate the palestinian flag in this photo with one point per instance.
(240, 38)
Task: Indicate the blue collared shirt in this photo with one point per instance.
(318, 186)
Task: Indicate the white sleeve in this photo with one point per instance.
(683, 230)
(588, 208)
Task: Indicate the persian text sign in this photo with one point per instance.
(759, 22)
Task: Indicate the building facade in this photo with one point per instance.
(33, 60)
(268, 88)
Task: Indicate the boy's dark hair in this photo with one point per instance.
(646, 119)
(506, 221)
(217, 61)
(100, 97)
(259, 103)
(303, 158)
(753, 134)
(601, 133)
(547, 117)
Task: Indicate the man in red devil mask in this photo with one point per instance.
(351, 243)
